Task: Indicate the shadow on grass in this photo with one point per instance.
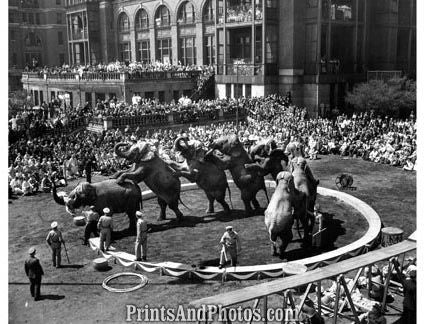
(72, 266)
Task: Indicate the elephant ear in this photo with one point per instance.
(86, 190)
(146, 152)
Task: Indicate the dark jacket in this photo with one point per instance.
(33, 268)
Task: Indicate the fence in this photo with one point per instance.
(282, 287)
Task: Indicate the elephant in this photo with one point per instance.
(154, 171)
(268, 157)
(279, 217)
(233, 156)
(125, 197)
(206, 174)
(306, 193)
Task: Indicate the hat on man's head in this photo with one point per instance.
(229, 228)
(106, 210)
(139, 213)
(54, 225)
(92, 207)
(411, 271)
(31, 250)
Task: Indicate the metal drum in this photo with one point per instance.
(100, 264)
(390, 236)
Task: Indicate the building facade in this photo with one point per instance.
(37, 35)
(316, 49)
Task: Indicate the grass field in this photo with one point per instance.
(74, 294)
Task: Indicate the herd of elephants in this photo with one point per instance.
(293, 198)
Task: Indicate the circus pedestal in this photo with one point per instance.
(390, 236)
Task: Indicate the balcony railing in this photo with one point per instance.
(240, 69)
(136, 75)
(237, 14)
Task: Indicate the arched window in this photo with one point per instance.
(208, 12)
(186, 13)
(142, 20)
(123, 23)
(162, 17)
(32, 40)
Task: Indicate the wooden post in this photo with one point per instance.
(265, 309)
(304, 297)
(348, 297)
(356, 278)
(386, 284)
(319, 296)
(369, 280)
(338, 287)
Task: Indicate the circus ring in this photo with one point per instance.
(274, 270)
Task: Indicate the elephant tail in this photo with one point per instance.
(183, 203)
(230, 195)
(265, 191)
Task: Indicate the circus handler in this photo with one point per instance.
(408, 281)
(105, 226)
(231, 247)
(141, 245)
(91, 227)
(34, 272)
(54, 240)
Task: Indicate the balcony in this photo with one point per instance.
(241, 14)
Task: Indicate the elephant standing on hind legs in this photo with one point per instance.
(278, 216)
(234, 157)
(305, 198)
(154, 171)
(206, 174)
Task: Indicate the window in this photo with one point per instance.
(271, 3)
(142, 20)
(12, 35)
(58, 2)
(61, 58)
(60, 38)
(208, 13)
(186, 13)
(209, 50)
(32, 40)
(161, 96)
(125, 52)
(143, 52)
(31, 18)
(59, 18)
(149, 95)
(123, 23)
(12, 17)
(187, 51)
(37, 18)
(14, 59)
(162, 17)
(342, 10)
(271, 45)
(163, 50)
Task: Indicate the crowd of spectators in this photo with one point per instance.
(119, 67)
(35, 158)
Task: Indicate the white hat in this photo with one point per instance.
(411, 271)
(139, 213)
(31, 250)
(106, 210)
(229, 227)
(54, 225)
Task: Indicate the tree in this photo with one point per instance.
(397, 97)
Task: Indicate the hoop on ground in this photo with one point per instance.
(143, 279)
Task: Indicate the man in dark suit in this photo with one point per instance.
(34, 272)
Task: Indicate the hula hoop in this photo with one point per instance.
(144, 281)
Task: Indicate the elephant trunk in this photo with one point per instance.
(119, 152)
(178, 146)
(58, 199)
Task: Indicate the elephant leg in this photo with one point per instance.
(255, 203)
(174, 206)
(163, 205)
(225, 205)
(273, 238)
(210, 208)
(286, 238)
